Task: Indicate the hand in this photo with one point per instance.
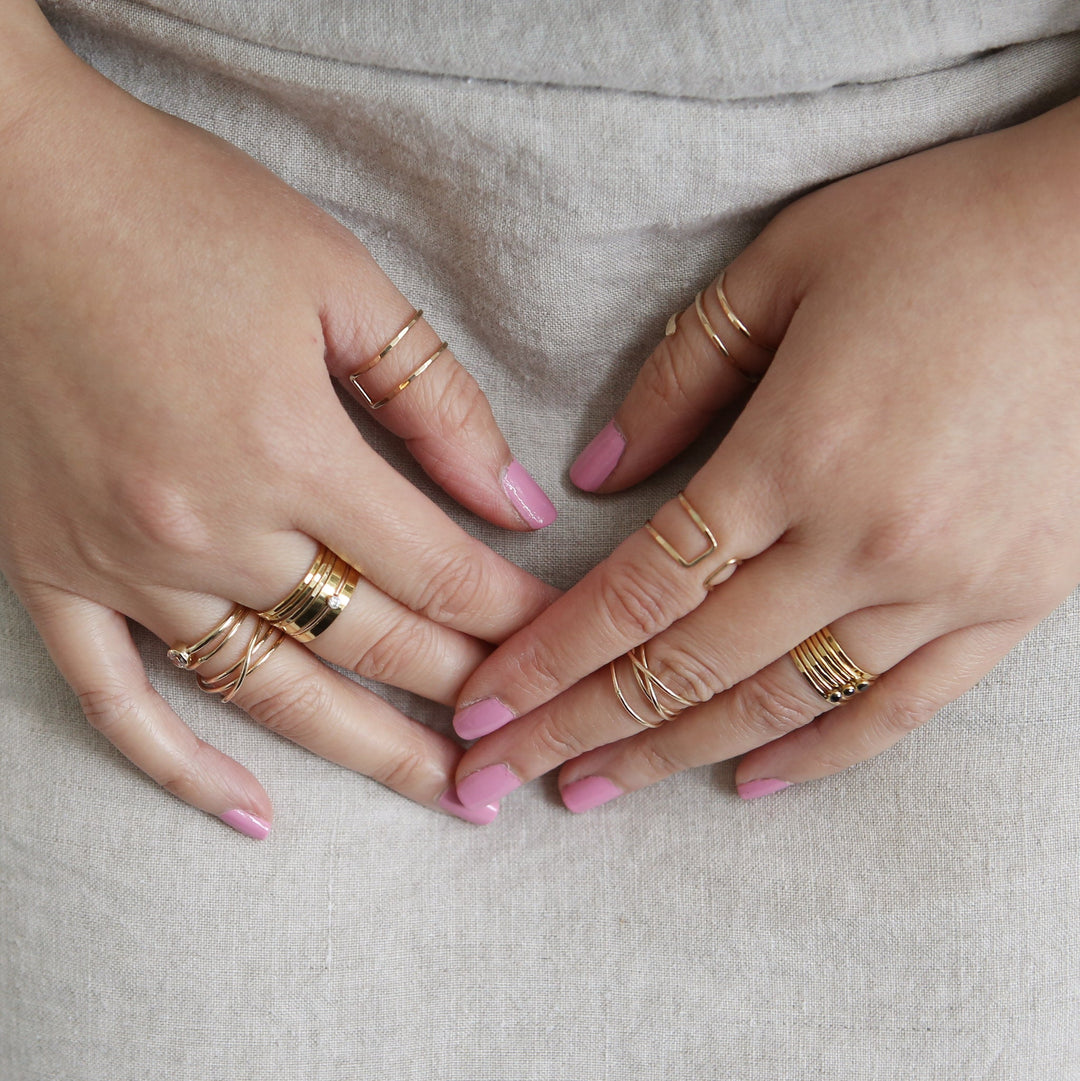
(171, 315)
(907, 472)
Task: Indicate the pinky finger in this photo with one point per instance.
(902, 700)
(94, 651)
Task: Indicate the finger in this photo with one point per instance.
(372, 634)
(718, 347)
(905, 698)
(397, 366)
(776, 700)
(292, 693)
(93, 649)
(640, 590)
(356, 503)
(590, 715)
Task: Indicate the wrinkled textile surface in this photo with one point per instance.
(549, 183)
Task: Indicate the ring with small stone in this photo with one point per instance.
(318, 599)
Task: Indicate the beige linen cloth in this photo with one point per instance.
(549, 181)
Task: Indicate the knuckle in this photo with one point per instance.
(385, 658)
(693, 673)
(671, 376)
(109, 709)
(408, 771)
(654, 759)
(295, 706)
(769, 707)
(906, 713)
(459, 405)
(555, 741)
(636, 603)
(540, 673)
(456, 589)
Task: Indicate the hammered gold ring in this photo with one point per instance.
(318, 598)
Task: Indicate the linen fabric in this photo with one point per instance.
(549, 183)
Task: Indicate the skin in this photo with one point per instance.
(907, 471)
(172, 321)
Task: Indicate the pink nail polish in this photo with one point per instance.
(486, 785)
(588, 793)
(480, 718)
(481, 816)
(765, 786)
(246, 823)
(598, 460)
(528, 497)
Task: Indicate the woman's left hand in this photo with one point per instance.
(907, 473)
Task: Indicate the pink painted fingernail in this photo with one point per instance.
(481, 816)
(598, 460)
(528, 497)
(588, 793)
(480, 718)
(765, 786)
(246, 823)
(486, 785)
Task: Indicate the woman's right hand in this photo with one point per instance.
(171, 315)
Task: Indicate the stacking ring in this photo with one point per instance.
(317, 600)
(828, 669)
(652, 687)
(260, 648)
(385, 351)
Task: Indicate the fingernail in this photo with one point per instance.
(481, 816)
(528, 497)
(246, 823)
(480, 718)
(486, 785)
(598, 460)
(588, 793)
(766, 786)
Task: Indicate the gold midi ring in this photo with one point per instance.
(354, 378)
(698, 521)
(318, 598)
(733, 319)
(651, 687)
(716, 340)
(828, 669)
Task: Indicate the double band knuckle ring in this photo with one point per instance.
(383, 353)
(317, 599)
(262, 644)
(828, 669)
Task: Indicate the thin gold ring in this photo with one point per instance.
(716, 340)
(261, 647)
(189, 657)
(733, 319)
(414, 374)
(702, 527)
(382, 353)
(651, 687)
(828, 669)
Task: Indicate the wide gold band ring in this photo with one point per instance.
(828, 669)
(318, 598)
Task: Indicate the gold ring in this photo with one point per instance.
(716, 340)
(354, 378)
(261, 646)
(651, 687)
(828, 669)
(317, 600)
(698, 521)
(189, 657)
(733, 319)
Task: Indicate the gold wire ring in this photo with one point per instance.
(386, 349)
(702, 528)
(733, 319)
(652, 686)
(716, 340)
(672, 324)
(189, 657)
(828, 669)
(261, 647)
(710, 584)
(626, 705)
(415, 374)
(317, 599)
